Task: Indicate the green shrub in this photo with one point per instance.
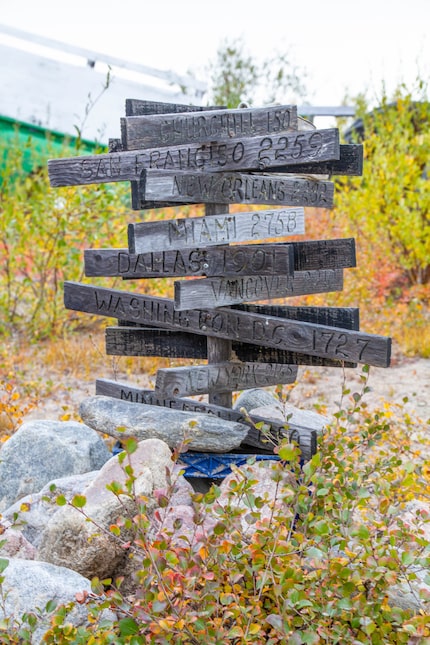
(43, 232)
(314, 563)
(388, 209)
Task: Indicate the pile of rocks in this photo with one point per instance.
(53, 551)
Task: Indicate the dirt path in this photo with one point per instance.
(321, 386)
(405, 378)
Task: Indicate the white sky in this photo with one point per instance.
(345, 47)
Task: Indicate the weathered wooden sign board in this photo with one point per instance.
(232, 324)
(132, 339)
(144, 237)
(173, 155)
(261, 259)
(156, 186)
(151, 131)
(221, 292)
(227, 261)
(222, 377)
(350, 162)
(251, 153)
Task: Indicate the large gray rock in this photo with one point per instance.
(413, 595)
(43, 450)
(256, 398)
(203, 432)
(13, 543)
(28, 586)
(89, 547)
(32, 513)
(303, 426)
(265, 486)
(264, 403)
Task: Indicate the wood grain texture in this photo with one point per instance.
(274, 431)
(324, 254)
(152, 131)
(227, 376)
(134, 341)
(136, 107)
(268, 331)
(252, 153)
(222, 292)
(213, 230)
(228, 261)
(344, 317)
(218, 349)
(139, 107)
(170, 187)
(350, 163)
(258, 259)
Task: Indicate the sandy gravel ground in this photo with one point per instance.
(315, 386)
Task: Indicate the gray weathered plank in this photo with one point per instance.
(222, 292)
(273, 433)
(269, 331)
(218, 349)
(176, 234)
(152, 131)
(260, 259)
(310, 255)
(345, 317)
(350, 163)
(139, 107)
(170, 187)
(138, 341)
(223, 260)
(228, 376)
(252, 153)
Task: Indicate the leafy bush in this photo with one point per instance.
(43, 232)
(389, 206)
(316, 562)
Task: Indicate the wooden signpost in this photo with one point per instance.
(174, 155)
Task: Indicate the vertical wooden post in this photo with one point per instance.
(218, 349)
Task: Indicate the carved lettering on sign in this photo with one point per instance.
(221, 377)
(218, 292)
(166, 235)
(292, 335)
(243, 188)
(139, 132)
(256, 153)
(224, 261)
(220, 260)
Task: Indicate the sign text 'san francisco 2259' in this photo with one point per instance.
(252, 153)
(316, 340)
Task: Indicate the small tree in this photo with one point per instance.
(237, 77)
(390, 204)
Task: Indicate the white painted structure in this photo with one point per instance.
(63, 88)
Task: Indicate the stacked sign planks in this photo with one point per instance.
(175, 155)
